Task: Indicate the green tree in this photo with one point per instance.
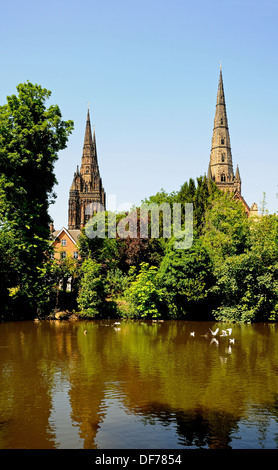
(246, 268)
(247, 289)
(186, 276)
(147, 299)
(91, 298)
(226, 230)
(31, 136)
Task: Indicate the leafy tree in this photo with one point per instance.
(147, 299)
(201, 196)
(31, 136)
(246, 286)
(186, 275)
(247, 289)
(91, 299)
(226, 230)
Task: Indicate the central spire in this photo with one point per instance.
(89, 165)
(221, 163)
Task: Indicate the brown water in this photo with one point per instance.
(137, 385)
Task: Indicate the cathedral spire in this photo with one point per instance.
(221, 163)
(86, 193)
(88, 141)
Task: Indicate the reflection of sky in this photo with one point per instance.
(66, 432)
(258, 431)
(122, 429)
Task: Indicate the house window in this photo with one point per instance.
(63, 255)
(75, 254)
(223, 178)
(64, 242)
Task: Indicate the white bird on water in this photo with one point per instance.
(223, 333)
(214, 340)
(229, 331)
(192, 333)
(214, 333)
(232, 340)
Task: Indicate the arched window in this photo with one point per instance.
(222, 121)
(223, 178)
(223, 157)
(222, 141)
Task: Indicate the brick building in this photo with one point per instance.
(65, 243)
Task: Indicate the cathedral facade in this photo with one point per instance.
(87, 195)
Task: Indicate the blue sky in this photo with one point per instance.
(150, 70)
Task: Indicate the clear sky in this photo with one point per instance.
(150, 70)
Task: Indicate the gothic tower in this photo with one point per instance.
(221, 163)
(87, 195)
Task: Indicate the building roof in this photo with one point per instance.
(73, 234)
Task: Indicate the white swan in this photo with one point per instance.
(214, 333)
(214, 341)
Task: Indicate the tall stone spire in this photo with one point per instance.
(87, 194)
(89, 164)
(221, 163)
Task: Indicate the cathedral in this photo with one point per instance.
(87, 195)
(220, 168)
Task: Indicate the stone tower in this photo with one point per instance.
(220, 168)
(87, 195)
(221, 163)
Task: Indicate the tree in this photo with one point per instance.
(91, 298)
(186, 276)
(226, 230)
(201, 196)
(245, 266)
(31, 136)
(247, 289)
(147, 299)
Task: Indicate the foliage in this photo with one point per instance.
(247, 289)
(226, 230)
(117, 282)
(247, 282)
(91, 298)
(186, 276)
(146, 299)
(30, 138)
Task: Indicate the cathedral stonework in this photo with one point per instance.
(221, 163)
(87, 195)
